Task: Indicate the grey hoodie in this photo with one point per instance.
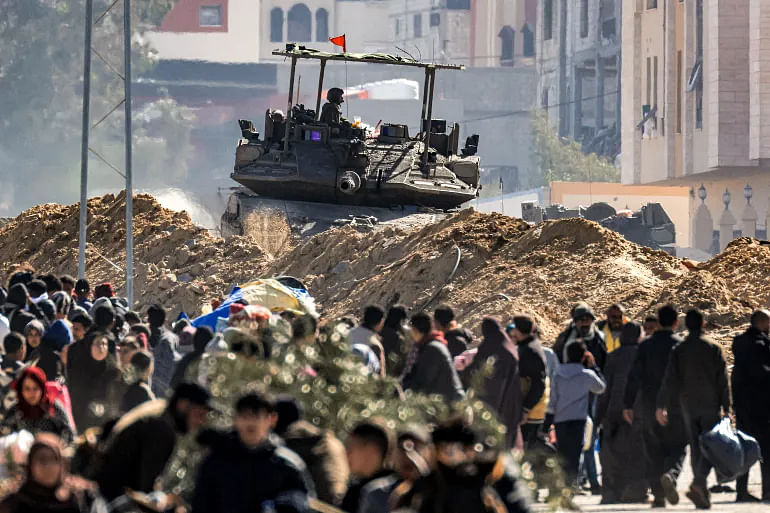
(570, 391)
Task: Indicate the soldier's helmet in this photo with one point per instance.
(334, 95)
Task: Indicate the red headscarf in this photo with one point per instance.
(45, 406)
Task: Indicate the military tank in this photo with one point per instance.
(649, 226)
(324, 173)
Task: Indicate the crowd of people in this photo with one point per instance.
(119, 389)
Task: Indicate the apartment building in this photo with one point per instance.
(696, 109)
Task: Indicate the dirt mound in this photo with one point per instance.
(481, 264)
(745, 268)
(505, 267)
(176, 263)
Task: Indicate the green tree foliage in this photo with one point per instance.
(561, 159)
(331, 385)
(41, 72)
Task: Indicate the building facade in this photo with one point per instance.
(578, 58)
(247, 31)
(696, 109)
(479, 33)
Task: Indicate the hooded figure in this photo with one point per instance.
(95, 383)
(621, 442)
(34, 410)
(502, 389)
(42, 490)
(203, 335)
(394, 339)
(56, 338)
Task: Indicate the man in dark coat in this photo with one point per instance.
(621, 442)
(664, 446)
(696, 376)
(139, 448)
(532, 372)
(501, 391)
(458, 339)
(433, 371)
(750, 383)
(248, 470)
(582, 329)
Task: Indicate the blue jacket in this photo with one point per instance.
(570, 391)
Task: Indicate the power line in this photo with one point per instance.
(545, 107)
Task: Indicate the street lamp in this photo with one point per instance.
(726, 199)
(702, 192)
(748, 192)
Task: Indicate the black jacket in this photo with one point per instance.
(751, 379)
(696, 376)
(136, 456)
(434, 372)
(532, 371)
(611, 404)
(458, 341)
(137, 393)
(237, 479)
(352, 501)
(595, 345)
(501, 391)
(649, 368)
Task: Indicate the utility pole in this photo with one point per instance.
(84, 140)
(129, 184)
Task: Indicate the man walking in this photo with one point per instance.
(696, 376)
(664, 446)
(751, 381)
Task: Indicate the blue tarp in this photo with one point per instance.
(223, 311)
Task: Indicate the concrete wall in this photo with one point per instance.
(240, 43)
(510, 204)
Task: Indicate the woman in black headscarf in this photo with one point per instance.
(95, 383)
(501, 390)
(394, 339)
(43, 490)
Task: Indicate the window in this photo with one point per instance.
(322, 25)
(544, 98)
(276, 24)
(609, 30)
(529, 41)
(583, 18)
(417, 25)
(679, 72)
(548, 19)
(435, 19)
(458, 4)
(398, 26)
(654, 81)
(300, 23)
(211, 16)
(652, 4)
(507, 36)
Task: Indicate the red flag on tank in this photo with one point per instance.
(339, 41)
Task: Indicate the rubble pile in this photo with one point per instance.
(176, 263)
(505, 267)
(481, 264)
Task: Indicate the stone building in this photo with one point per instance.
(480, 33)
(578, 57)
(696, 109)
